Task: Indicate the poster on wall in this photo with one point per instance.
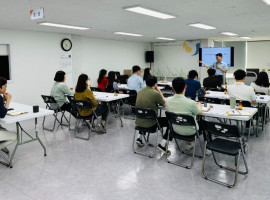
(177, 58)
(66, 66)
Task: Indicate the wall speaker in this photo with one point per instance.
(149, 56)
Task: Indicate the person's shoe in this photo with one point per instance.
(208, 152)
(139, 142)
(163, 149)
(190, 146)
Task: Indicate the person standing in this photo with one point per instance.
(220, 66)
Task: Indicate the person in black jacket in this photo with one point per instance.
(5, 136)
(211, 81)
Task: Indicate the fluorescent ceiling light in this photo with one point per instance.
(246, 38)
(203, 26)
(163, 38)
(62, 26)
(267, 2)
(229, 33)
(129, 34)
(149, 12)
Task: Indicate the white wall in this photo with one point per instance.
(258, 55)
(36, 58)
(90, 55)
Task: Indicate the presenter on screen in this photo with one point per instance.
(220, 67)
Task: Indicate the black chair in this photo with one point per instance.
(71, 100)
(51, 104)
(227, 141)
(95, 89)
(122, 79)
(183, 120)
(146, 113)
(131, 100)
(81, 120)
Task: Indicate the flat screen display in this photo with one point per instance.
(208, 55)
(4, 66)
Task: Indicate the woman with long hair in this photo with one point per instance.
(112, 84)
(147, 72)
(82, 92)
(261, 84)
(102, 80)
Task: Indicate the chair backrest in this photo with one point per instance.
(50, 102)
(117, 74)
(83, 104)
(251, 77)
(96, 89)
(131, 100)
(48, 99)
(145, 113)
(180, 119)
(244, 103)
(72, 100)
(261, 93)
(221, 130)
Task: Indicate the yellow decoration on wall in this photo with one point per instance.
(187, 48)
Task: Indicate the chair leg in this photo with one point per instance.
(236, 170)
(43, 123)
(77, 129)
(144, 154)
(182, 165)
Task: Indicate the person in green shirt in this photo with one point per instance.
(59, 92)
(181, 104)
(151, 97)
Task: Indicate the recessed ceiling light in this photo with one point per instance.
(163, 38)
(129, 34)
(149, 12)
(203, 26)
(62, 26)
(267, 2)
(229, 33)
(246, 38)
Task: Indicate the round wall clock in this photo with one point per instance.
(66, 44)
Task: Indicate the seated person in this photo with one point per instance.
(59, 92)
(112, 84)
(135, 82)
(82, 92)
(102, 80)
(261, 84)
(193, 85)
(239, 90)
(151, 97)
(211, 81)
(5, 136)
(181, 104)
(147, 72)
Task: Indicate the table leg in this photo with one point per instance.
(20, 142)
(44, 148)
(118, 112)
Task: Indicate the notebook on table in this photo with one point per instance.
(15, 112)
(238, 113)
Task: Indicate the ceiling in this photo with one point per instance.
(244, 17)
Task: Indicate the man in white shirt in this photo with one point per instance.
(239, 90)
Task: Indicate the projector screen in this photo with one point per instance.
(208, 55)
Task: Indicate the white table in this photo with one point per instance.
(109, 97)
(125, 87)
(165, 83)
(17, 119)
(262, 100)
